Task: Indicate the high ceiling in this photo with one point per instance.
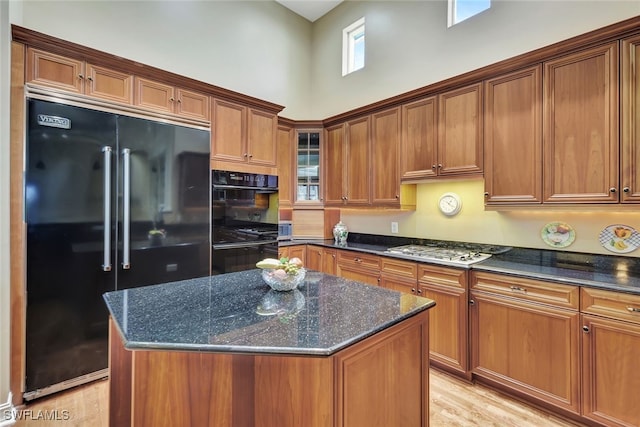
(310, 9)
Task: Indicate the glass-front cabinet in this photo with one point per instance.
(308, 190)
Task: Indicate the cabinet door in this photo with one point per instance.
(55, 71)
(581, 126)
(531, 348)
(460, 131)
(361, 275)
(448, 320)
(261, 137)
(108, 84)
(154, 95)
(192, 104)
(358, 172)
(385, 160)
(419, 139)
(314, 258)
(513, 138)
(286, 156)
(333, 165)
(329, 261)
(630, 118)
(611, 378)
(228, 131)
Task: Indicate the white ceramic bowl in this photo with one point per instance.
(288, 283)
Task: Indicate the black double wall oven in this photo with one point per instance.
(244, 215)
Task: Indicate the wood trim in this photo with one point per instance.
(583, 41)
(119, 385)
(17, 248)
(93, 56)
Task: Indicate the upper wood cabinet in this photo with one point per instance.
(442, 136)
(460, 131)
(170, 99)
(333, 154)
(386, 136)
(419, 139)
(630, 120)
(581, 127)
(307, 168)
(513, 138)
(68, 74)
(240, 134)
(286, 162)
(357, 175)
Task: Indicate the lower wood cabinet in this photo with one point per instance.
(359, 266)
(321, 259)
(610, 355)
(525, 336)
(294, 251)
(448, 329)
(399, 275)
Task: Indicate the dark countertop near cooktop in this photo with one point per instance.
(238, 312)
(616, 273)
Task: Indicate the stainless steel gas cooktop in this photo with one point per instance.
(463, 254)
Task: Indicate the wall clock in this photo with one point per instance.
(450, 204)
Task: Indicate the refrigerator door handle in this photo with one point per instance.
(126, 205)
(106, 261)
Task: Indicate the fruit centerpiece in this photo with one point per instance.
(282, 274)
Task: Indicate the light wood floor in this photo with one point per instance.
(453, 403)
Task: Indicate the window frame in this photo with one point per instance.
(349, 36)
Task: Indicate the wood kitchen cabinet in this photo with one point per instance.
(386, 136)
(165, 98)
(72, 75)
(307, 168)
(243, 135)
(293, 251)
(358, 266)
(449, 332)
(347, 159)
(630, 120)
(610, 348)
(513, 138)
(525, 336)
(581, 127)
(419, 139)
(399, 275)
(321, 259)
(442, 136)
(286, 162)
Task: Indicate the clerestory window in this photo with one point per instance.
(353, 47)
(459, 10)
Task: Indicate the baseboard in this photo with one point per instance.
(7, 413)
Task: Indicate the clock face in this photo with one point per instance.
(450, 204)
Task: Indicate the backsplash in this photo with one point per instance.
(521, 228)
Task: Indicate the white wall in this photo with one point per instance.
(408, 44)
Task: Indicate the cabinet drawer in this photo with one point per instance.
(359, 259)
(398, 268)
(611, 304)
(444, 276)
(566, 296)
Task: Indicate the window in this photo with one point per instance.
(308, 175)
(459, 10)
(353, 47)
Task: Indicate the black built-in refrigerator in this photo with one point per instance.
(111, 202)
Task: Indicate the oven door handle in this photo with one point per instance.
(237, 245)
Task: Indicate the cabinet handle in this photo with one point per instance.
(439, 165)
(633, 309)
(472, 302)
(626, 189)
(80, 76)
(433, 166)
(486, 194)
(90, 78)
(250, 155)
(612, 190)
(171, 99)
(585, 329)
(518, 289)
(245, 154)
(179, 101)
(413, 290)
(397, 196)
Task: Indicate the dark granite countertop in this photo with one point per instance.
(238, 312)
(611, 272)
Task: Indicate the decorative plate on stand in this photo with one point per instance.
(620, 238)
(558, 234)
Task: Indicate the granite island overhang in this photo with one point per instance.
(228, 351)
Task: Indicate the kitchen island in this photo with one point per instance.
(228, 351)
